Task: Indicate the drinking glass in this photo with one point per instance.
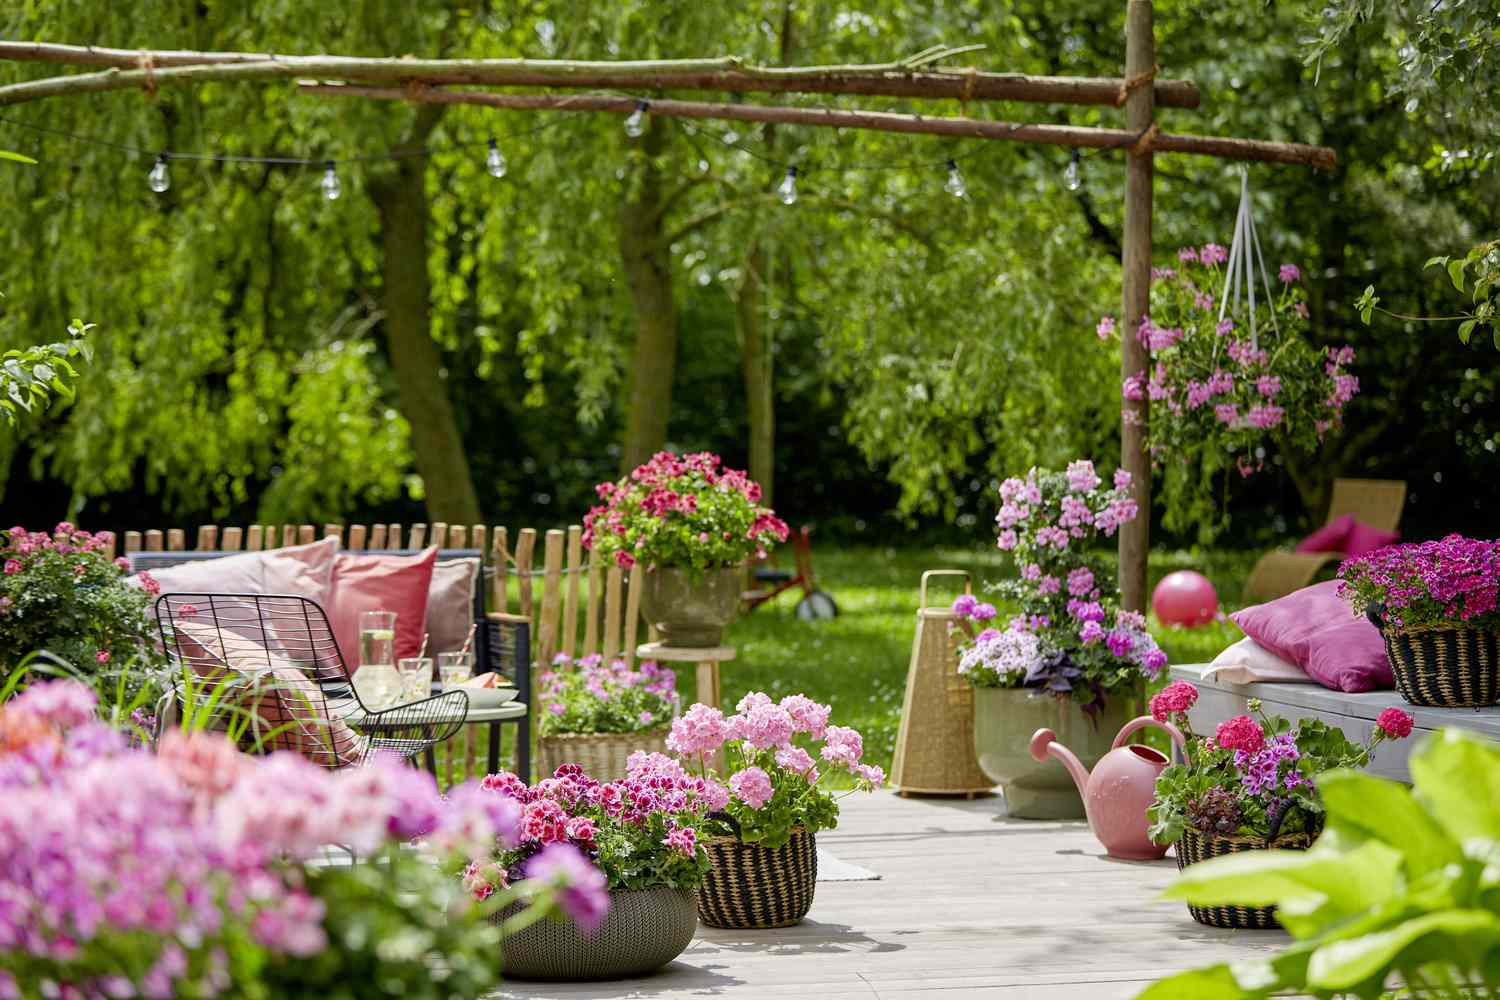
(454, 668)
(416, 678)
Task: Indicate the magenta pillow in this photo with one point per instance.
(364, 582)
(1316, 630)
(1329, 538)
(1363, 538)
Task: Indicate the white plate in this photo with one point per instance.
(489, 697)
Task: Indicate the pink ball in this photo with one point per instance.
(1185, 598)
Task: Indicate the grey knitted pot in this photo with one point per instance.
(644, 930)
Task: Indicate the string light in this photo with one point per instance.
(955, 184)
(1073, 174)
(330, 184)
(494, 160)
(787, 189)
(158, 178)
(635, 122)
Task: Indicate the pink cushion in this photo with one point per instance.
(450, 603)
(1318, 632)
(299, 570)
(364, 582)
(1363, 538)
(1329, 538)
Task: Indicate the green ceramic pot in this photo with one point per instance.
(688, 612)
(1004, 721)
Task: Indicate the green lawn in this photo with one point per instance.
(858, 662)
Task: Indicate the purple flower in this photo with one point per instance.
(1120, 643)
(983, 612)
(580, 887)
(1289, 274)
(963, 605)
(1106, 328)
(1080, 581)
(1122, 479)
(1212, 254)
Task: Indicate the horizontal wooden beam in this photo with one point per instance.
(729, 74)
(880, 121)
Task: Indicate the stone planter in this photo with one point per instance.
(691, 613)
(1004, 721)
(644, 930)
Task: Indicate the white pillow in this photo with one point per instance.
(1248, 662)
(298, 570)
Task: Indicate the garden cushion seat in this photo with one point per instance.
(1375, 503)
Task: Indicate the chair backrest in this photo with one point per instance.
(284, 679)
(1376, 502)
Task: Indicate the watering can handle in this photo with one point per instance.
(1141, 722)
(922, 593)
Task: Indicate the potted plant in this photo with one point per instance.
(1228, 385)
(1249, 787)
(641, 833)
(1071, 660)
(596, 714)
(1435, 604)
(1397, 899)
(214, 874)
(762, 841)
(61, 592)
(690, 524)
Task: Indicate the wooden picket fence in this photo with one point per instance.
(569, 585)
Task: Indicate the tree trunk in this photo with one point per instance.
(401, 198)
(756, 359)
(648, 271)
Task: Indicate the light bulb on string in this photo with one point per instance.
(635, 122)
(1072, 175)
(330, 184)
(955, 184)
(787, 189)
(494, 161)
(158, 179)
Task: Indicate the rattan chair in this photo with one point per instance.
(1376, 502)
(282, 684)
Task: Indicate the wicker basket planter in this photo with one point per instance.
(601, 755)
(1196, 846)
(752, 887)
(644, 930)
(1444, 666)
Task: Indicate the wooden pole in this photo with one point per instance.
(727, 74)
(1135, 261)
(879, 121)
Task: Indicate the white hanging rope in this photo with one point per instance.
(1245, 259)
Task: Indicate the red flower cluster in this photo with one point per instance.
(1394, 723)
(1240, 733)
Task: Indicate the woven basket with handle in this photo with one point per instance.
(601, 755)
(1442, 666)
(1196, 846)
(751, 886)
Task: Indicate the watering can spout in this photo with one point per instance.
(1044, 744)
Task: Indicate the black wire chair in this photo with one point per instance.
(269, 669)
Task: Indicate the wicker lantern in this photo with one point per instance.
(935, 746)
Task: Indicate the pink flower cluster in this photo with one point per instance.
(1077, 514)
(593, 696)
(1173, 700)
(186, 848)
(1240, 733)
(1395, 723)
(1455, 579)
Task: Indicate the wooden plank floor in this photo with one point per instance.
(970, 905)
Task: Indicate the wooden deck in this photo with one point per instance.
(970, 905)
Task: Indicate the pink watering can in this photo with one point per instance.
(1121, 789)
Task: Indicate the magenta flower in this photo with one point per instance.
(1395, 723)
(1212, 254)
(581, 888)
(1106, 328)
(1240, 733)
(12, 567)
(1289, 274)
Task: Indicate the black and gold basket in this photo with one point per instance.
(752, 886)
(1196, 846)
(1443, 666)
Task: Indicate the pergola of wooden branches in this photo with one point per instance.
(555, 85)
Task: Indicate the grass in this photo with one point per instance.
(858, 662)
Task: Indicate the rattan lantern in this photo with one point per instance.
(935, 745)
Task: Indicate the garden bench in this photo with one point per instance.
(1355, 714)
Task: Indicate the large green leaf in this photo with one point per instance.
(1350, 882)
(1458, 776)
(1384, 810)
(1343, 964)
(1195, 984)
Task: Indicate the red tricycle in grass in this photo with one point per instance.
(816, 605)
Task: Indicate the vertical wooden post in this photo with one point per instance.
(1135, 260)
